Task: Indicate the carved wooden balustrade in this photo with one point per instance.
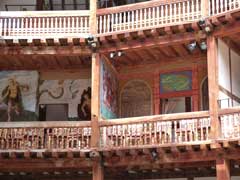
(230, 123)
(140, 16)
(157, 130)
(218, 7)
(45, 135)
(44, 24)
(147, 15)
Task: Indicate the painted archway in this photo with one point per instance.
(136, 99)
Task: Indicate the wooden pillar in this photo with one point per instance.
(213, 86)
(223, 169)
(205, 8)
(93, 17)
(98, 172)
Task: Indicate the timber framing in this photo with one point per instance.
(151, 44)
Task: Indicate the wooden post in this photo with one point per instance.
(93, 17)
(98, 170)
(205, 8)
(223, 169)
(213, 87)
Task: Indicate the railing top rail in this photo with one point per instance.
(49, 124)
(131, 7)
(231, 110)
(44, 13)
(144, 119)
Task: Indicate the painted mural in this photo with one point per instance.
(108, 92)
(18, 92)
(75, 93)
(176, 81)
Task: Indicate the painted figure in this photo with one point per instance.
(12, 97)
(84, 108)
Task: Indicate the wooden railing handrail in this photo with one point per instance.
(231, 110)
(48, 124)
(154, 118)
(4, 14)
(132, 7)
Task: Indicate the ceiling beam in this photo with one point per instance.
(161, 41)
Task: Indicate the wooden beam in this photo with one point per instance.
(212, 62)
(223, 169)
(57, 50)
(160, 41)
(227, 30)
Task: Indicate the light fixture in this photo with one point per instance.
(208, 29)
(203, 45)
(112, 55)
(92, 43)
(202, 23)
(120, 53)
(154, 154)
(192, 46)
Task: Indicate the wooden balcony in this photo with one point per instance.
(117, 20)
(43, 136)
(183, 129)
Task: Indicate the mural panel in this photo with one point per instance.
(75, 93)
(177, 81)
(108, 92)
(18, 96)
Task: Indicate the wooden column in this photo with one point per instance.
(205, 8)
(98, 172)
(213, 88)
(93, 17)
(223, 169)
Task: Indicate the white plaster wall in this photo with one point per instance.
(224, 71)
(14, 2)
(235, 60)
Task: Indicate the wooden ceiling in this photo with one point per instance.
(43, 62)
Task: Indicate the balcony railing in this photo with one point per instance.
(230, 123)
(45, 136)
(218, 7)
(147, 15)
(161, 130)
(44, 24)
(168, 130)
(116, 20)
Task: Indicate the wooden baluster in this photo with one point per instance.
(120, 22)
(154, 16)
(166, 14)
(175, 132)
(9, 26)
(13, 26)
(161, 18)
(112, 22)
(158, 16)
(137, 20)
(175, 13)
(100, 25)
(128, 20)
(1, 27)
(104, 23)
(170, 13)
